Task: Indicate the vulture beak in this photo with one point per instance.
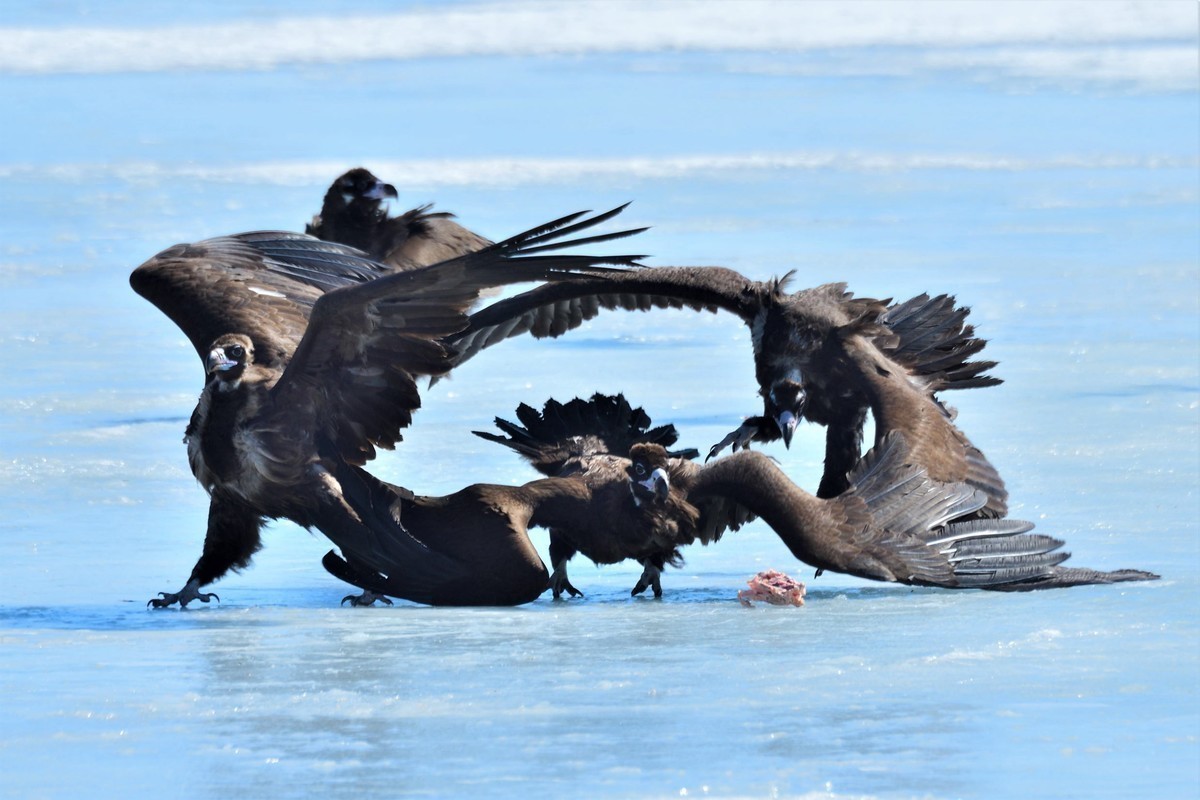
(218, 361)
(788, 399)
(382, 191)
(658, 483)
(787, 422)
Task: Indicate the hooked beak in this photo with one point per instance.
(218, 361)
(658, 483)
(382, 191)
(787, 422)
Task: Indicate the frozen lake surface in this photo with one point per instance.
(1044, 171)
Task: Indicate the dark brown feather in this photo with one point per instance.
(311, 353)
(924, 341)
(353, 213)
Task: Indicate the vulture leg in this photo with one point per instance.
(651, 579)
(561, 551)
(559, 582)
(342, 569)
(233, 537)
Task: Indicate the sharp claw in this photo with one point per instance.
(739, 439)
(568, 588)
(650, 579)
(719, 446)
(365, 599)
(559, 583)
(184, 596)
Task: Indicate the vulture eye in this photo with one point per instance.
(639, 469)
(237, 351)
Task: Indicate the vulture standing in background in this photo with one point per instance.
(354, 213)
(799, 341)
(311, 353)
(894, 523)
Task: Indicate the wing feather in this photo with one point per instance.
(397, 325)
(554, 309)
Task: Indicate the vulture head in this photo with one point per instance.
(360, 186)
(227, 360)
(649, 476)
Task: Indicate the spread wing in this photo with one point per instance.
(935, 442)
(554, 309)
(262, 284)
(353, 373)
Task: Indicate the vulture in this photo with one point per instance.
(802, 343)
(353, 213)
(484, 528)
(894, 523)
(311, 353)
(591, 441)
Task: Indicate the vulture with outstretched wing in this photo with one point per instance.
(893, 523)
(802, 342)
(311, 353)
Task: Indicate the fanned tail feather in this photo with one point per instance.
(561, 431)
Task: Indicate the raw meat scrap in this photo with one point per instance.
(772, 587)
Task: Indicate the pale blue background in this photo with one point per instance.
(1039, 161)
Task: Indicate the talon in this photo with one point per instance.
(565, 586)
(184, 596)
(365, 599)
(164, 600)
(739, 438)
(559, 583)
(568, 588)
(650, 579)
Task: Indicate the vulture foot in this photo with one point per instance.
(649, 580)
(367, 598)
(187, 594)
(560, 584)
(739, 438)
